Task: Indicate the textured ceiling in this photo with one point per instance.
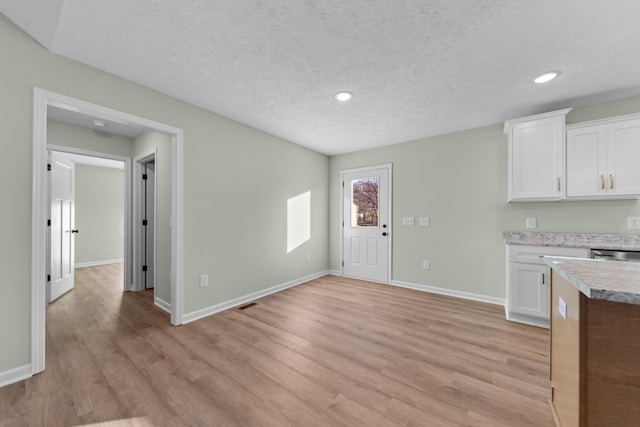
(416, 67)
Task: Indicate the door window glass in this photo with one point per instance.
(364, 202)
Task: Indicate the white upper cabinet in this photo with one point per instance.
(536, 156)
(602, 159)
(586, 161)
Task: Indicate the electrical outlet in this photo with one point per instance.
(562, 307)
(425, 221)
(426, 265)
(408, 220)
(633, 222)
(532, 223)
(308, 257)
(204, 280)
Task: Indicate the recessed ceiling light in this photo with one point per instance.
(98, 123)
(546, 77)
(343, 96)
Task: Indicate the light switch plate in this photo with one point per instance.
(532, 223)
(408, 220)
(633, 222)
(425, 221)
(562, 307)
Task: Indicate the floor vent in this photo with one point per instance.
(251, 304)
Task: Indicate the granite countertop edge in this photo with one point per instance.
(574, 240)
(595, 291)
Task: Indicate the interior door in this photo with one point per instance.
(62, 227)
(148, 224)
(366, 227)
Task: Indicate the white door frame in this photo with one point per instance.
(138, 161)
(39, 211)
(389, 167)
(127, 199)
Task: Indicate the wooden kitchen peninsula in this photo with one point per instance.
(595, 342)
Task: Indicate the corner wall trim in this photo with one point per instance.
(96, 263)
(16, 374)
(199, 314)
(162, 304)
(449, 292)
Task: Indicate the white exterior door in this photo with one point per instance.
(366, 223)
(62, 227)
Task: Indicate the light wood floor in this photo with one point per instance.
(333, 352)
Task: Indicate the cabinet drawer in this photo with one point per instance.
(534, 254)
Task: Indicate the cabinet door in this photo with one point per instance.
(537, 159)
(529, 289)
(586, 162)
(623, 158)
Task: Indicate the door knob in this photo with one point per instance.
(74, 231)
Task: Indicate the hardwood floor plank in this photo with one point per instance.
(331, 352)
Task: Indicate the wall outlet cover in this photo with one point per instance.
(426, 265)
(425, 221)
(204, 280)
(532, 223)
(562, 307)
(408, 220)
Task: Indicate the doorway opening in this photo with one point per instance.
(42, 101)
(94, 200)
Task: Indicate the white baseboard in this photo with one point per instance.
(96, 263)
(449, 292)
(162, 304)
(335, 272)
(527, 320)
(199, 314)
(14, 375)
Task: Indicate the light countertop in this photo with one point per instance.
(616, 281)
(574, 240)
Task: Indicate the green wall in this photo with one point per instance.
(162, 144)
(459, 180)
(236, 184)
(237, 181)
(99, 201)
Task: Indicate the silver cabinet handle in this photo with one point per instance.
(558, 180)
(602, 182)
(610, 180)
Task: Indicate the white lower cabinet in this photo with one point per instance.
(529, 289)
(528, 281)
